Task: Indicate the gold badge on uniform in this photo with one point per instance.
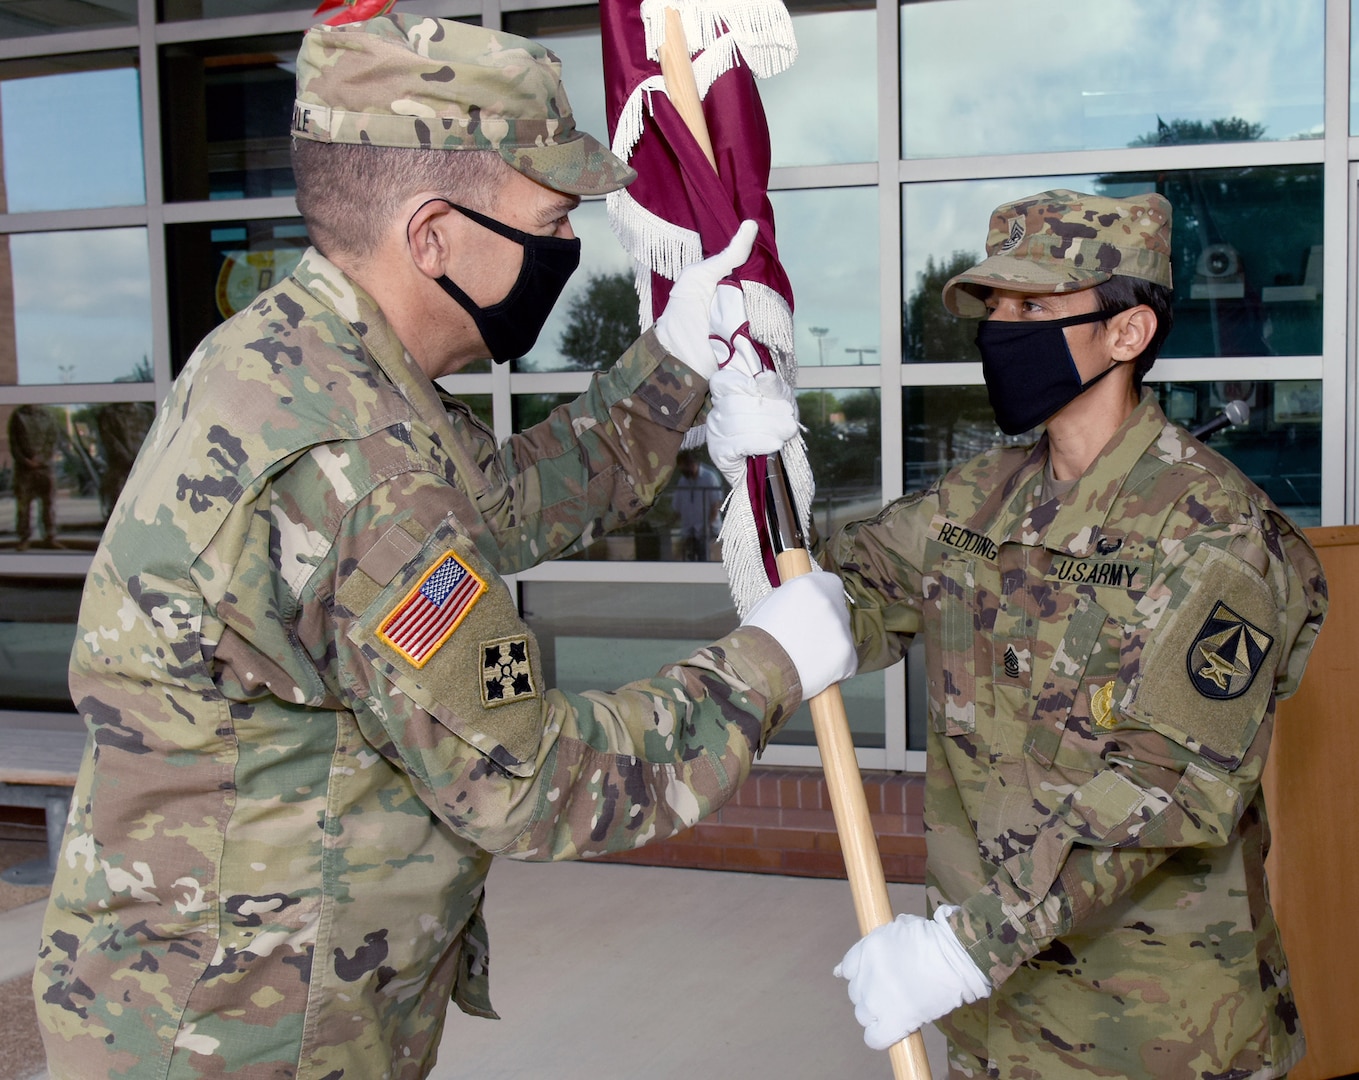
(506, 672)
(1102, 706)
(1227, 654)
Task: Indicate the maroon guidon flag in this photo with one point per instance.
(679, 210)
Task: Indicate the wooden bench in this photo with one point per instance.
(38, 768)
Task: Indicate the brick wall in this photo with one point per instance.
(780, 822)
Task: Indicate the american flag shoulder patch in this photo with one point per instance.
(427, 615)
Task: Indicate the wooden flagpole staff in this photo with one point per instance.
(867, 882)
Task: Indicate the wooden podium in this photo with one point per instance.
(1312, 796)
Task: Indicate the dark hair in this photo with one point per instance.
(1120, 293)
(347, 194)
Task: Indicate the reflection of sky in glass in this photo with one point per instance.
(1354, 67)
(807, 125)
(988, 77)
(600, 253)
(824, 110)
(47, 167)
(82, 304)
(828, 243)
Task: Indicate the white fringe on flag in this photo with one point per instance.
(761, 32)
(761, 29)
(655, 245)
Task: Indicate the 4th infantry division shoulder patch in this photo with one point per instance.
(1227, 654)
(427, 615)
(507, 674)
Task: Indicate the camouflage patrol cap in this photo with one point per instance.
(1062, 241)
(423, 83)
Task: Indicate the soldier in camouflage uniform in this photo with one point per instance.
(1110, 615)
(34, 435)
(315, 712)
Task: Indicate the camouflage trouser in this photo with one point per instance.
(30, 484)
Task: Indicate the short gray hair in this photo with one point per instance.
(348, 194)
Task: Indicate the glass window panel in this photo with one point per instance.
(26, 18)
(1218, 71)
(808, 125)
(1354, 67)
(595, 318)
(227, 106)
(1279, 445)
(1240, 290)
(80, 304)
(178, 10)
(218, 268)
(62, 468)
(828, 243)
(596, 637)
(44, 167)
(843, 432)
(37, 630)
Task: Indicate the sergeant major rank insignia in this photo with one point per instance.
(427, 615)
(1015, 238)
(506, 672)
(1227, 654)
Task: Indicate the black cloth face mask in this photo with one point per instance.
(1029, 371)
(509, 327)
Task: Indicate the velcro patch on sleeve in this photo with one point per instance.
(1207, 675)
(426, 616)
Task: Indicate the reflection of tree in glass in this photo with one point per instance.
(843, 435)
(1180, 131)
(141, 371)
(930, 332)
(601, 322)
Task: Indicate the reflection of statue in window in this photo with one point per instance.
(122, 427)
(33, 437)
(696, 497)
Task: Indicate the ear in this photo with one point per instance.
(1131, 332)
(430, 235)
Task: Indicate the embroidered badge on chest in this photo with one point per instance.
(1011, 662)
(427, 615)
(1227, 654)
(506, 674)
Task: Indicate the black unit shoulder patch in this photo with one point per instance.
(1225, 657)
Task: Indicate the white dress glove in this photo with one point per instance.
(691, 317)
(807, 615)
(907, 973)
(748, 416)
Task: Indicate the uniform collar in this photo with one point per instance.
(332, 287)
(1075, 523)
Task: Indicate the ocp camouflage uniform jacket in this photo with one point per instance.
(315, 712)
(1102, 673)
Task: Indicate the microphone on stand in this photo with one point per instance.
(1234, 412)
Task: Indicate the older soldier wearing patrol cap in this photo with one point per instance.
(1109, 614)
(315, 713)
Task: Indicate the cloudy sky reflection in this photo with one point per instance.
(995, 77)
